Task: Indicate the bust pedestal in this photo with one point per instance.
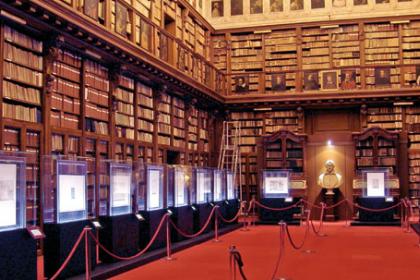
(330, 198)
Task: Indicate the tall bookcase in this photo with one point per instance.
(376, 148)
(22, 100)
(283, 150)
(413, 128)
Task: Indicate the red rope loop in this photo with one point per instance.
(376, 210)
(184, 234)
(231, 220)
(321, 221)
(335, 205)
(72, 251)
(291, 241)
(278, 209)
(310, 204)
(166, 216)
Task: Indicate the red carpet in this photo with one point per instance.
(346, 253)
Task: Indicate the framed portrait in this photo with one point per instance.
(311, 80)
(417, 75)
(90, 8)
(236, 7)
(217, 8)
(241, 84)
(339, 3)
(276, 6)
(317, 4)
(278, 82)
(256, 6)
(348, 79)
(121, 17)
(360, 2)
(382, 1)
(382, 76)
(296, 5)
(329, 80)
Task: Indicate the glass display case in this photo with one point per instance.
(179, 185)
(12, 191)
(115, 188)
(203, 185)
(231, 191)
(219, 187)
(275, 183)
(154, 187)
(69, 190)
(375, 183)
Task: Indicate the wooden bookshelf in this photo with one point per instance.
(376, 148)
(96, 97)
(65, 96)
(281, 57)
(178, 122)
(315, 49)
(413, 128)
(283, 150)
(386, 117)
(410, 37)
(164, 120)
(123, 100)
(22, 76)
(145, 113)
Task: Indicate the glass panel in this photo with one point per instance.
(275, 183)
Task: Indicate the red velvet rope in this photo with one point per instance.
(278, 209)
(67, 260)
(281, 250)
(335, 205)
(231, 220)
(139, 253)
(291, 241)
(197, 233)
(376, 210)
(321, 221)
(310, 204)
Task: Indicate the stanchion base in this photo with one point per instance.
(282, 278)
(216, 240)
(244, 229)
(169, 258)
(308, 251)
(322, 235)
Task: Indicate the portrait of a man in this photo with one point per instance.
(348, 79)
(217, 8)
(296, 5)
(360, 2)
(90, 8)
(329, 80)
(241, 83)
(311, 81)
(278, 82)
(317, 4)
(382, 76)
(236, 7)
(256, 6)
(276, 6)
(121, 19)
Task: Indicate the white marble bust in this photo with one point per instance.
(330, 179)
